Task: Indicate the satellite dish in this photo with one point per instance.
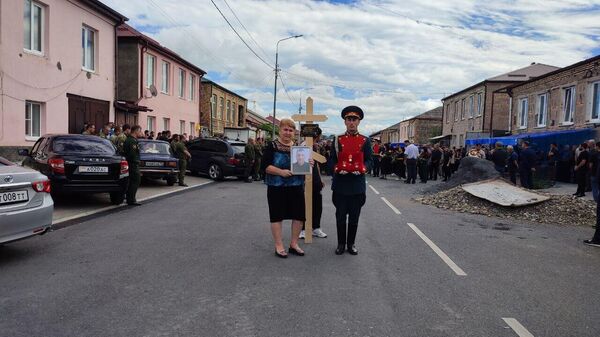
(153, 90)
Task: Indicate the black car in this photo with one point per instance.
(217, 158)
(80, 163)
(157, 161)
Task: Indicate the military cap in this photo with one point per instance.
(352, 110)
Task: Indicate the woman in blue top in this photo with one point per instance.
(285, 191)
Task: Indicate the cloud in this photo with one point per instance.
(395, 59)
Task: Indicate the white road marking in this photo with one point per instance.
(517, 327)
(390, 205)
(438, 251)
(374, 190)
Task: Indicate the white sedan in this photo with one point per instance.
(25, 203)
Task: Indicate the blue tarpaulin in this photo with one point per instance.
(541, 139)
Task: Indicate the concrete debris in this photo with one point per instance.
(503, 193)
(470, 170)
(559, 209)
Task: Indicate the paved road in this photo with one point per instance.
(201, 263)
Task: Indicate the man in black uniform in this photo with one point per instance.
(131, 151)
(351, 157)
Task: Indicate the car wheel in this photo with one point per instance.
(171, 181)
(215, 172)
(117, 198)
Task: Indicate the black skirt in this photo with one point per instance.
(286, 203)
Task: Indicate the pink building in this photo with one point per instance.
(57, 68)
(156, 88)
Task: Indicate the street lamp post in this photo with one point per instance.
(275, 90)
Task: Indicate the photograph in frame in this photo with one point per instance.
(300, 156)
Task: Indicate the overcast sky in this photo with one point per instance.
(395, 59)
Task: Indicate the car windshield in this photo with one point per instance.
(238, 148)
(90, 144)
(155, 148)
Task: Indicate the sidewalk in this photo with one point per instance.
(561, 188)
(71, 207)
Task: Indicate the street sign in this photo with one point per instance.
(309, 118)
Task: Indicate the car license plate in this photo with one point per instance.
(13, 197)
(93, 169)
(154, 163)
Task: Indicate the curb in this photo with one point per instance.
(75, 219)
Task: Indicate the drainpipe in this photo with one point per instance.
(142, 51)
(510, 104)
(116, 71)
(492, 116)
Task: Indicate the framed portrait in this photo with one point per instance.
(300, 155)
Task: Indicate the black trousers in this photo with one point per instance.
(526, 177)
(347, 212)
(447, 169)
(411, 168)
(581, 176)
(512, 173)
(317, 210)
(434, 169)
(596, 237)
(376, 166)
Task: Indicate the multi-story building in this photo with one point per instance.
(565, 99)
(421, 128)
(221, 107)
(254, 121)
(157, 88)
(390, 134)
(482, 110)
(57, 68)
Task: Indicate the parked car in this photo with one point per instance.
(25, 203)
(80, 163)
(217, 158)
(157, 161)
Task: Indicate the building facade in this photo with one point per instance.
(57, 71)
(390, 134)
(254, 121)
(221, 108)
(157, 88)
(564, 99)
(482, 110)
(421, 128)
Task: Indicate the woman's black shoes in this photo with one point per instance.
(340, 249)
(295, 251)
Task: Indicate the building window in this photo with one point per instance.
(213, 103)
(166, 124)
(542, 110)
(471, 106)
(150, 122)
(462, 108)
(456, 111)
(192, 87)
(192, 128)
(33, 24)
(447, 113)
(523, 110)
(181, 127)
(33, 117)
(568, 105)
(166, 77)
(479, 104)
(221, 107)
(181, 83)
(595, 101)
(461, 141)
(150, 70)
(88, 44)
(228, 111)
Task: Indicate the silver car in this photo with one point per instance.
(25, 203)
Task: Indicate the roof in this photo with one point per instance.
(207, 81)
(524, 74)
(436, 113)
(270, 119)
(395, 126)
(255, 117)
(104, 9)
(125, 31)
(574, 65)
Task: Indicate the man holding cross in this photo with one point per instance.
(351, 157)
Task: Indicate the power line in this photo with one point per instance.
(247, 32)
(241, 38)
(286, 91)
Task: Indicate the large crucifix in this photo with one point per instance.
(309, 118)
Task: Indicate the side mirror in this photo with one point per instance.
(23, 152)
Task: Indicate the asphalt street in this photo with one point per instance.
(202, 263)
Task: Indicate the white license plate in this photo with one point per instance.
(154, 163)
(93, 169)
(14, 196)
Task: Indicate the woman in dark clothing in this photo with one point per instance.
(423, 166)
(386, 162)
(400, 167)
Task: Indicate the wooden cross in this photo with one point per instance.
(308, 186)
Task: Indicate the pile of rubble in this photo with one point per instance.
(471, 170)
(560, 209)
